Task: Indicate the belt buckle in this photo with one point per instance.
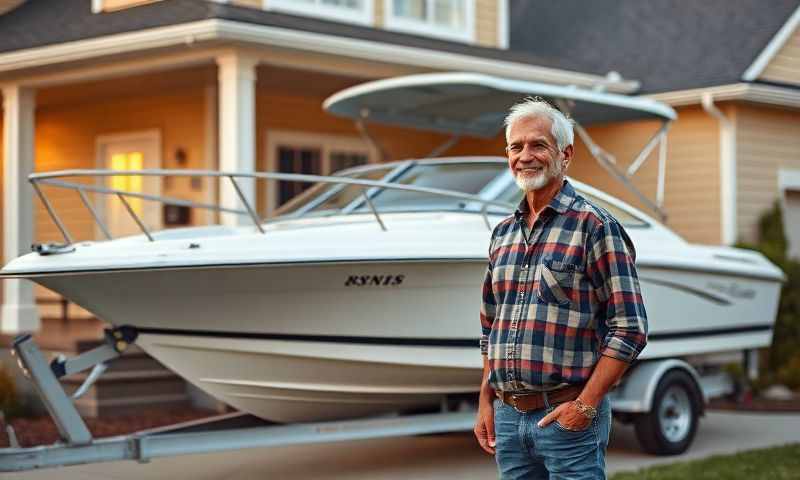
(514, 399)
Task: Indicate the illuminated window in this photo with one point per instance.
(350, 11)
(128, 183)
(449, 19)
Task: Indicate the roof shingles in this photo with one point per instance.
(665, 44)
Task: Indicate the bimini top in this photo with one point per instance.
(475, 104)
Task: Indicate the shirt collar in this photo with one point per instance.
(560, 202)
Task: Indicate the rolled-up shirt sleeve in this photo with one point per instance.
(612, 272)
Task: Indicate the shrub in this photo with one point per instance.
(783, 359)
(9, 402)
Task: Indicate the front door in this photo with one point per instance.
(133, 151)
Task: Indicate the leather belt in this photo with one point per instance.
(529, 401)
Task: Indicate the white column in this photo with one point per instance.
(211, 150)
(237, 124)
(19, 312)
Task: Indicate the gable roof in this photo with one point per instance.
(666, 45)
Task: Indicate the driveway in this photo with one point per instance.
(426, 457)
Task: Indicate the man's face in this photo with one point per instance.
(533, 155)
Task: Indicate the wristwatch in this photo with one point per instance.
(587, 411)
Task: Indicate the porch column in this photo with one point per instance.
(19, 312)
(237, 123)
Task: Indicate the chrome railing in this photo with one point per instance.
(57, 179)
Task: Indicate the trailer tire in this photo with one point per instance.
(670, 425)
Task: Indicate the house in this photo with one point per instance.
(237, 85)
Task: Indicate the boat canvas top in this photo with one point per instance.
(471, 104)
(476, 104)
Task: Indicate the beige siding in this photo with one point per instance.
(486, 22)
(2, 193)
(249, 3)
(486, 18)
(768, 139)
(111, 5)
(692, 198)
(379, 13)
(785, 65)
(289, 111)
(66, 134)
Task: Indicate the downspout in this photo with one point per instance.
(727, 164)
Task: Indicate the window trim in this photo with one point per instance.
(366, 16)
(426, 28)
(307, 139)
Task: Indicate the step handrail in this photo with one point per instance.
(58, 179)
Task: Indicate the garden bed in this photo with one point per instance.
(42, 431)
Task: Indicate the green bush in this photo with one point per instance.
(783, 359)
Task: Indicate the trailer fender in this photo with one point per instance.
(635, 393)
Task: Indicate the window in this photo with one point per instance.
(129, 151)
(309, 154)
(449, 19)
(128, 161)
(349, 11)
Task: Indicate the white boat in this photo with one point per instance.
(362, 297)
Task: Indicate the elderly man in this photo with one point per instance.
(562, 315)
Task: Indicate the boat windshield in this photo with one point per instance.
(469, 178)
(513, 195)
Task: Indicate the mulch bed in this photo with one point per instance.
(757, 404)
(42, 431)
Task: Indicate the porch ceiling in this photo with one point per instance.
(276, 80)
(127, 86)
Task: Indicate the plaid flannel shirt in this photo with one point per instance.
(556, 300)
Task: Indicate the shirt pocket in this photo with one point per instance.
(560, 283)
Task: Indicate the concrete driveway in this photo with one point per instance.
(426, 457)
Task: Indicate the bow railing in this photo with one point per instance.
(61, 179)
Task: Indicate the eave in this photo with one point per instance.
(216, 30)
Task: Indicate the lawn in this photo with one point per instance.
(779, 463)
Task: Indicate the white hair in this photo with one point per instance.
(561, 126)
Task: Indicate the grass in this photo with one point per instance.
(778, 463)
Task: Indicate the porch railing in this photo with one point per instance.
(60, 179)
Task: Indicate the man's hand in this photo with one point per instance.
(484, 426)
(568, 416)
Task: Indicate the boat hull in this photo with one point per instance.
(319, 341)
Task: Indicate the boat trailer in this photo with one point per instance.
(231, 431)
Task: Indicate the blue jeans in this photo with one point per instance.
(527, 451)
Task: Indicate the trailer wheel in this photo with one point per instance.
(670, 425)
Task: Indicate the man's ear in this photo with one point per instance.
(568, 152)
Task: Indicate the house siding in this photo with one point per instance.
(66, 135)
(486, 22)
(249, 3)
(767, 139)
(785, 65)
(692, 186)
(486, 18)
(288, 111)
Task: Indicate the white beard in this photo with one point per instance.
(529, 183)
